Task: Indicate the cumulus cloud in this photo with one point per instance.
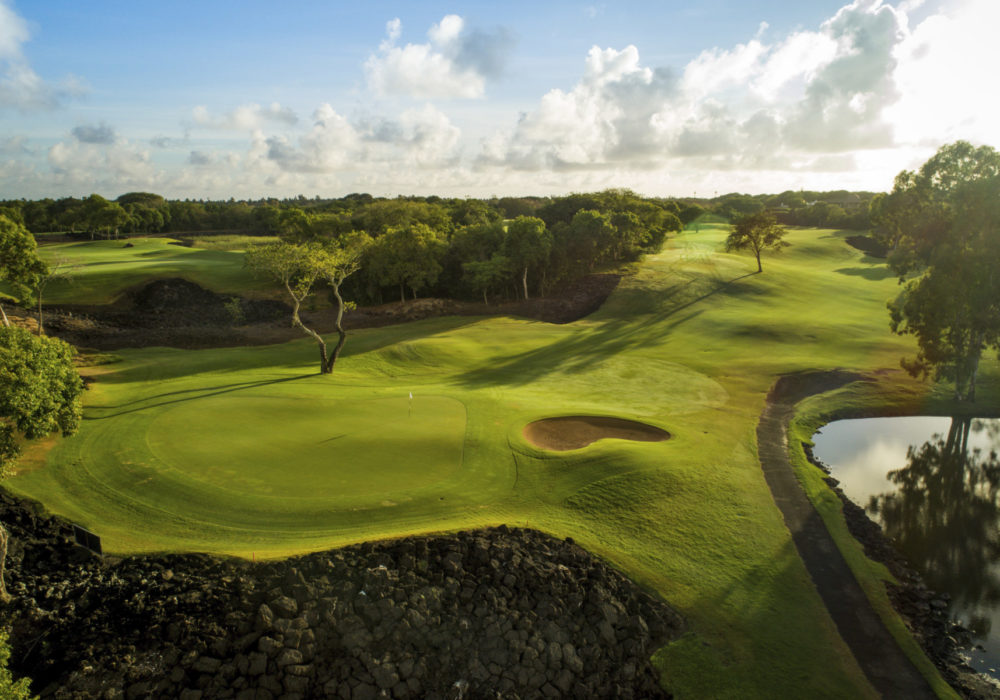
(943, 77)
(421, 137)
(110, 165)
(605, 117)
(455, 63)
(20, 86)
(245, 118)
(809, 99)
(101, 133)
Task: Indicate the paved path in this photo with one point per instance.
(887, 668)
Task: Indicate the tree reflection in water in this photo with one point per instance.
(945, 517)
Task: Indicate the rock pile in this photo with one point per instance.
(493, 613)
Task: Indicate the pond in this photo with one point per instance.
(934, 486)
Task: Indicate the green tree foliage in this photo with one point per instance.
(39, 394)
(526, 245)
(487, 275)
(9, 688)
(298, 267)
(147, 212)
(756, 232)
(689, 213)
(734, 206)
(381, 215)
(104, 217)
(942, 224)
(20, 266)
(407, 256)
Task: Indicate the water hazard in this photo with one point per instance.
(934, 486)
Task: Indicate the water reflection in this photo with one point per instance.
(945, 517)
(938, 500)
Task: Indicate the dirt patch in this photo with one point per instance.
(573, 432)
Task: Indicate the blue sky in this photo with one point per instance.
(251, 99)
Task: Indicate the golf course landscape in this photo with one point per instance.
(250, 452)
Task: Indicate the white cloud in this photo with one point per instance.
(245, 117)
(20, 86)
(420, 137)
(456, 63)
(811, 99)
(102, 166)
(947, 90)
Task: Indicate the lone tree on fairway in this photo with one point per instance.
(943, 224)
(756, 232)
(39, 394)
(298, 267)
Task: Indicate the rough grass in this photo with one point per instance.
(233, 242)
(247, 451)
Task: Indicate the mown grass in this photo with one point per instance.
(247, 451)
(97, 272)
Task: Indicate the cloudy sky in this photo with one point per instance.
(214, 99)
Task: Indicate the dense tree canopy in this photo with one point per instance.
(39, 394)
(942, 225)
(20, 266)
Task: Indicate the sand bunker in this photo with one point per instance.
(574, 432)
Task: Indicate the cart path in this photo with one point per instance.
(887, 668)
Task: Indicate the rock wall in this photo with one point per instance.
(493, 613)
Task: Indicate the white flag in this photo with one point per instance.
(411, 396)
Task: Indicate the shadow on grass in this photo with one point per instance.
(194, 394)
(589, 347)
(296, 354)
(872, 274)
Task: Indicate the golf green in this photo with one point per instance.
(313, 447)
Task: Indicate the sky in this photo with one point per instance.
(217, 99)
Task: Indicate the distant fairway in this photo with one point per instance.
(248, 451)
(98, 271)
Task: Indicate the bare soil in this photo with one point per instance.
(573, 432)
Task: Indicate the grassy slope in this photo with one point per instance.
(153, 465)
(101, 270)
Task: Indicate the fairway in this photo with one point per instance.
(97, 272)
(248, 451)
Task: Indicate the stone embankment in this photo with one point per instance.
(493, 613)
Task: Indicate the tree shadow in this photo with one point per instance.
(192, 395)
(589, 347)
(872, 274)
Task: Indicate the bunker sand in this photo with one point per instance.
(573, 432)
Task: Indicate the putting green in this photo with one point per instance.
(346, 451)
